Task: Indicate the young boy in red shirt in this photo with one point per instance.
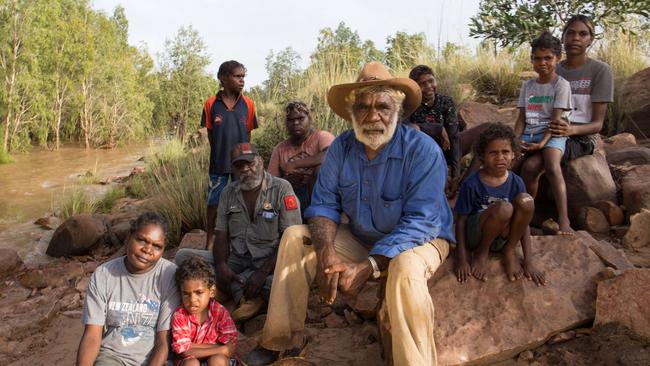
(202, 331)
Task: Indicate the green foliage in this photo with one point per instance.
(184, 83)
(406, 50)
(137, 186)
(496, 76)
(163, 152)
(105, 204)
(89, 177)
(76, 202)
(178, 192)
(512, 23)
(68, 73)
(5, 158)
(283, 72)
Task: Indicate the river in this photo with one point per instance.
(35, 184)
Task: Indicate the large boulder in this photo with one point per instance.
(636, 190)
(482, 322)
(638, 236)
(77, 235)
(636, 97)
(588, 180)
(10, 262)
(634, 155)
(617, 142)
(625, 300)
(473, 114)
(195, 239)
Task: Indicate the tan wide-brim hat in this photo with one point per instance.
(374, 73)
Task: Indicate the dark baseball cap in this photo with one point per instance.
(243, 151)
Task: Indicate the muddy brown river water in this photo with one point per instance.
(35, 184)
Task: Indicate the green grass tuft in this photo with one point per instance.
(76, 202)
(113, 194)
(5, 158)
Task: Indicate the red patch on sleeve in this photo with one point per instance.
(290, 202)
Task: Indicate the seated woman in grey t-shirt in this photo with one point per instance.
(129, 302)
(592, 88)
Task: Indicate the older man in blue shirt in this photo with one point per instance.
(389, 180)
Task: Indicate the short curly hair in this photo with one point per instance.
(149, 218)
(420, 70)
(494, 132)
(196, 268)
(546, 41)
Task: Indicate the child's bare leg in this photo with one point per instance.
(552, 159)
(494, 220)
(217, 360)
(191, 362)
(530, 271)
(524, 208)
(531, 169)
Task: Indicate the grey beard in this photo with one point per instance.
(250, 183)
(372, 141)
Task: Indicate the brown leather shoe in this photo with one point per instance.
(247, 309)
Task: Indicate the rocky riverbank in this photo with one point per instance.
(593, 311)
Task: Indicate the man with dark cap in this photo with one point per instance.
(254, 211)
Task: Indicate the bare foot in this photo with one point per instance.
(479, 265)
(514, 271)
(565, 228)
(533, 274)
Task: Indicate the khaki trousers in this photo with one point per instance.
(409, 305)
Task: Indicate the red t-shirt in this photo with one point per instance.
(186, 330)
(285, 152)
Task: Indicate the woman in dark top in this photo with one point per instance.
(436, 117)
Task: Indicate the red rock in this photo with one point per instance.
(30, 317)
(639, 257)
(10, 262)
(638, 235)
(562, 337)
(194, 240)
(612, 212)
(474, 114)
(82, 284)
(636, 190)
(592, 220)
(52, 275)
(626, 300)
(636, 94)
(253, 327)
(610, 255)
(32, 278)
(503, 318)
(50, 222)
(77, 235)
(366, 302)
(90, 266)
(351, 317)
(335, 321)
(634, 155)
(617, 142)
(588, 180)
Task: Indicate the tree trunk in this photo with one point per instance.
(10, 79)
(58, 111)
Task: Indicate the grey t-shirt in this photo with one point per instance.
(592, 82)
(539, 100)
(131, 307)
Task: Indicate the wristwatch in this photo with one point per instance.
(376, 273)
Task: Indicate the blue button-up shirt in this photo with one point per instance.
(396, 201)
